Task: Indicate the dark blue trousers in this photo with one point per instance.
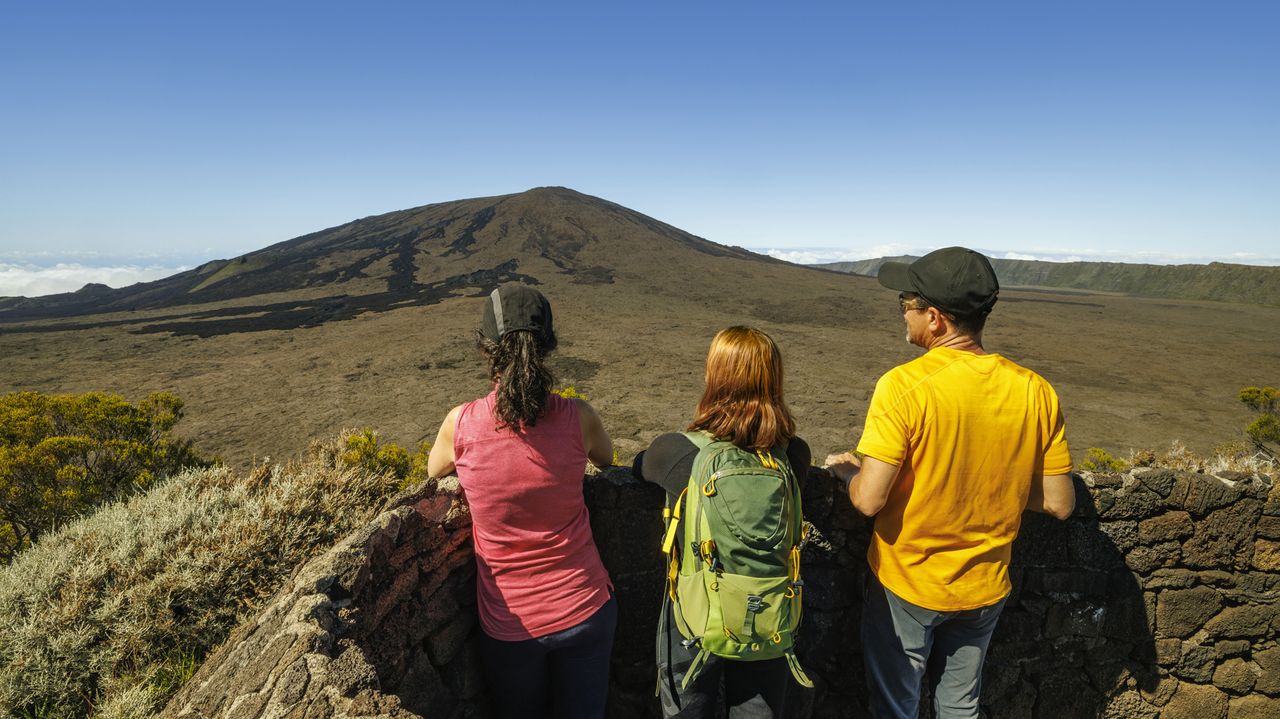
(563, 675)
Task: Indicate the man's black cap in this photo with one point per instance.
(518, 307)
(956, 280)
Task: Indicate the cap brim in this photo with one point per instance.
(894, 276)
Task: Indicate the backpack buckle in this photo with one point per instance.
(755, 603)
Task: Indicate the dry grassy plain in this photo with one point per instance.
(1132, 373)
(636, 304)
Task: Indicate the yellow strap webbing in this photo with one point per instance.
(797, 671)
(673, 523)
(673, 574)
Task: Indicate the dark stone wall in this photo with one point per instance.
(1159, 598)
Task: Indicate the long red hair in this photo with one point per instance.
(742, 402)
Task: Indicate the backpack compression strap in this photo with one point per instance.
(696, 668)
(801, 678)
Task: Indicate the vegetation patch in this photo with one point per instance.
(62, 455)
(361, 449)
(1264, 430)
(109, 615)
(238, 266)
(571, 393)
(1099, 460)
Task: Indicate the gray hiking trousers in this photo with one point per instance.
(902, 642)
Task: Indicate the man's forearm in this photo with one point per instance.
(869, 488)
(1054, 495)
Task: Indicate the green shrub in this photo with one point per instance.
(1265, 429)
(361, 449)
(1233, 456)
(108, 615)
(364, 451)
(570, 393)
(1099, 460)
(1260, 399)
(61, 455)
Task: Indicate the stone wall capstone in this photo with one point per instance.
(1160, 597)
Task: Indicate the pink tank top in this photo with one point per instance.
(538, 571)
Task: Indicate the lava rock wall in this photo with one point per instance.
(1160, 597)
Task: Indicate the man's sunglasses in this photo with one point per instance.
(913, 302)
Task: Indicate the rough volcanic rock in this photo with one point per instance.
(334, 643)
(1105, 619)
(1170, 525)
(1199, 494)
(1248, 620)
(1224, 538)
(1182, 612)
(1196, 701)
(1254, 706)
(1235, 676)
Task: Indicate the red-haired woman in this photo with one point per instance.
(545, 601)
(742, 403)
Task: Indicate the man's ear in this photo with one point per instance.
(937, 320)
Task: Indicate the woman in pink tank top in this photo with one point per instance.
(544, 598)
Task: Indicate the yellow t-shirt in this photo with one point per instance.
(969, 432)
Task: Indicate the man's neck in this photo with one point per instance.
(959, 341)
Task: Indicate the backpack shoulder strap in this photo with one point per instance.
(700, 438)
(671, 514)
(792, 474)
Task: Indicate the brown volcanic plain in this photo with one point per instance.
(369, 325)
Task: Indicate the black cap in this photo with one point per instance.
(518, 307)
(953, 279)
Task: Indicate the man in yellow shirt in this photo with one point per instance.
(957, 443)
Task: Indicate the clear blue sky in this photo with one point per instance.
(160, 133)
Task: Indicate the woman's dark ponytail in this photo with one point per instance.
(516, 363)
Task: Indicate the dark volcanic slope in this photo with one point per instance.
(370, 324)
(1214, 281)
(411, 257)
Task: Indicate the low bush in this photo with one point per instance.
(570, 393)
(1264, 430)
(109, 615)
(1234, 456)
(361, 449)
(1099, 460)
(62, 455)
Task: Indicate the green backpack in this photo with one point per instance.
(734, 583)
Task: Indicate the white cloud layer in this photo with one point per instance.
(30, 280)
(819, 255)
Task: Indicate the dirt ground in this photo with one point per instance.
(1132, 373)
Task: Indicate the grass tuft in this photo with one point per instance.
(1235, 457)
(110, 615)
